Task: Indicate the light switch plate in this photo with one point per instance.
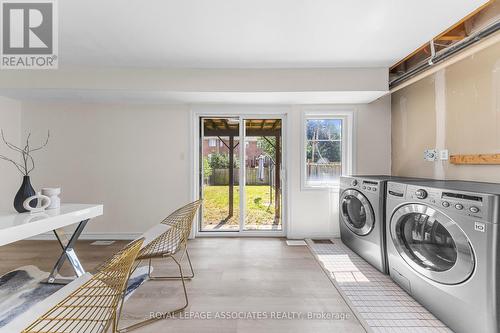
(443, 154)
(430, 155)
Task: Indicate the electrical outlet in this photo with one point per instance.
(443, 155)
(430, 155)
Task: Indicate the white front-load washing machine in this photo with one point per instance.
(443, 248)
(362, 216)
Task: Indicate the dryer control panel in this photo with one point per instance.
(360, 184)
(369, 185)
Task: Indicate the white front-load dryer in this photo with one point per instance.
(442, 248)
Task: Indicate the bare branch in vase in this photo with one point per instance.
(25, 152)
(42, 146)
(18, 166)
(10, 145)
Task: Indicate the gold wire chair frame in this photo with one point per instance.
(180, 222)
(92, 307)
(167, 245)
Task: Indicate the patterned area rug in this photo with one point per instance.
(21, 289)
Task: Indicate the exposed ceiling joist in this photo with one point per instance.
(451, 36)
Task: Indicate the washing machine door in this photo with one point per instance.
(432, 243)
(356, 212)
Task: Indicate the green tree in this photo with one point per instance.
(207, 169)
(221, 161)
(323, 140)
(268, 146)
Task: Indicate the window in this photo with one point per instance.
(327, 146)
(212, 142)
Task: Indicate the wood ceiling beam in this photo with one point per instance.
(276, 122)
(465, 22)
(212, 123)
(451, 38)
(249, 132)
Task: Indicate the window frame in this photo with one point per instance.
(348, 144)
(212, 140)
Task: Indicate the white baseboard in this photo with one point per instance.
(93, 236)
(132, 236)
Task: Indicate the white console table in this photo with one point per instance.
(15, 227)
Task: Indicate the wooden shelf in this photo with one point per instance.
(476, 159)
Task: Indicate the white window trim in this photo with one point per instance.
(348, 143)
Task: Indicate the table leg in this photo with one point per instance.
(68, 253)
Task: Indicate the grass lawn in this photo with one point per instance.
(216, 201)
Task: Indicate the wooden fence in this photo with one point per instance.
(221, 177)
(323, 171)
(314, 171)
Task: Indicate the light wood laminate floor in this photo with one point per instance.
(234, 276)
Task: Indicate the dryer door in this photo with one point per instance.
(432, 243)
(356, 212)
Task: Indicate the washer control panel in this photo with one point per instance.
(423, 194)
(473, 205)
(396, 190)
(478, 206)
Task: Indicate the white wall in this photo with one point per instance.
(133, 159)
(460, 106)
(10, 178)
(313, 212)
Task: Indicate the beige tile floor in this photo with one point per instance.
(241, 276)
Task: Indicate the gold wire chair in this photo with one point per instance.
(92, 307)
(167, 245)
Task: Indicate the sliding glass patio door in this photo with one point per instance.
(263, 174)
(240, 169)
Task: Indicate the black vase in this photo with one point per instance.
(25, 191)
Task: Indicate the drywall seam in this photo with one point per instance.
(440, 102)
(495, 103)
(404, 120)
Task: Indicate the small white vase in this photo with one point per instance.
(53, 194)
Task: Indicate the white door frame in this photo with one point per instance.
(241, 112)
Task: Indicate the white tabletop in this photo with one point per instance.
(15, 227)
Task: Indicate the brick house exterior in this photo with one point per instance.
(213, 145)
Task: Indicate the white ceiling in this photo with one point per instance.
(240, 34)
(250, 33)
